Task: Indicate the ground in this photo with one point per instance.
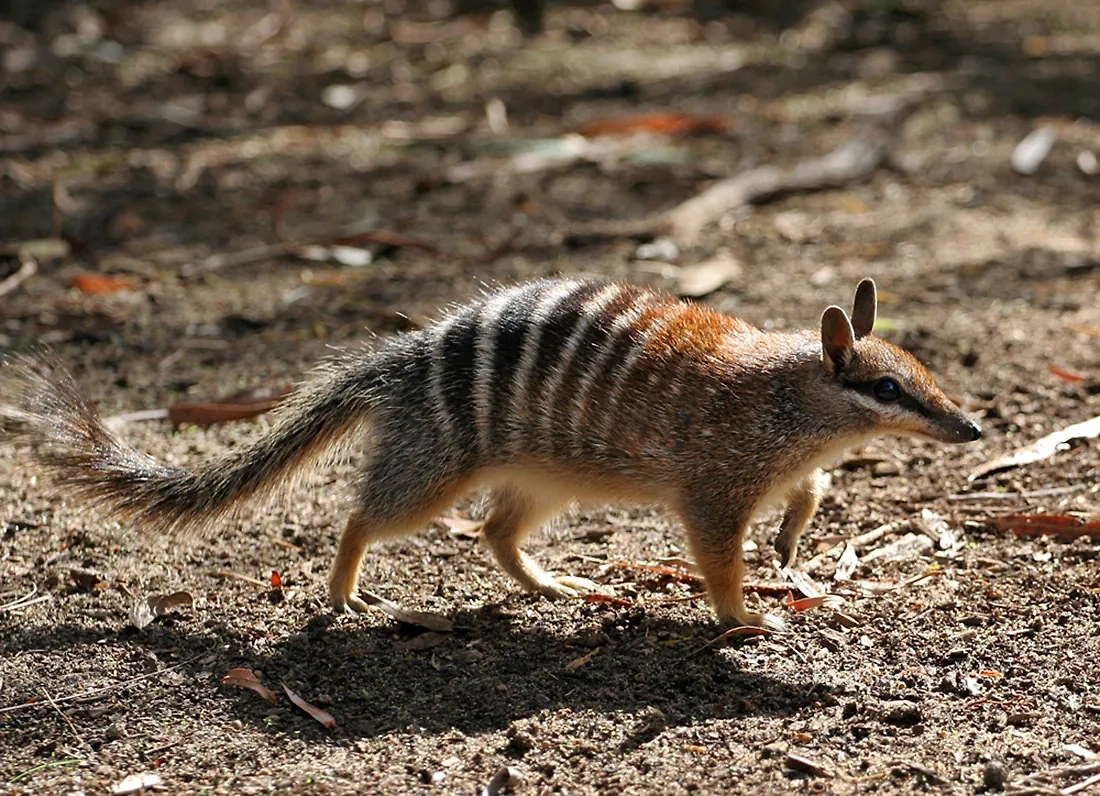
(155, 136)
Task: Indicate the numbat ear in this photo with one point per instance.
(836, 339)
(865, 308)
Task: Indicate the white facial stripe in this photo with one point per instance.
(590, 313)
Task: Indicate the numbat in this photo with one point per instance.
(542, 393)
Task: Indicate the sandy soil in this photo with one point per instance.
(157, 135)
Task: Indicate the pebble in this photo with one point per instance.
(661, 249)
(995, 775)
(1086, 161)
(1033, 150)
(901, 712)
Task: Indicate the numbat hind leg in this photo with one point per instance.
(515, 514)
(364, 528)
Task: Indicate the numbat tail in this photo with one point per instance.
(543, 393)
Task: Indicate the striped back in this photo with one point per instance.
(548, 368)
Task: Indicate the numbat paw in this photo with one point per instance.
(787, 550)
(351, 604)
(767, 621)
(567, 586)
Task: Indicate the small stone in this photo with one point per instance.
(520, 743)
(1087, 162)
(995, 775)
(508, 778)
(662, 250)
(339, 96)
(1033, 149)
(885, 469)
(901, 713)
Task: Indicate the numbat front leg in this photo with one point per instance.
(802, 502)
(515, 514)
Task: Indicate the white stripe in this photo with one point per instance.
(623, 323)
(520, 405)
(622, 373)
(438, 365)
(590, 314)
(488, 321)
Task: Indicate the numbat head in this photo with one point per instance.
(542, 393)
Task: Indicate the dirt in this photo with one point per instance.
(153, 136)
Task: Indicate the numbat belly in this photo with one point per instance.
(542, 393)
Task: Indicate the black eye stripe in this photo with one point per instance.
(905, 401)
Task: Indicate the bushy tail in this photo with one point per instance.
(43, 407)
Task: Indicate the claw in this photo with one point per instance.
(567, 586)
(767, 621)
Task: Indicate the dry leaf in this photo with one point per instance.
(144, 611)
(1062, 525)
(1040, 449)
(577, 663)
(137, 783)
(101, 284)
(1082, 328)
(242, 405)
(804, 604)
(936, 528)
(807, 765)
(424, 619)
(1080, 751)
(741, 631)
(607, 599)
(659, 123)
(424, 641)
(878, 588)
(846, 565)
(246, 678)
(804, 582)
(1067, 375)
(324, 718)
(678, 575)
(702, 279)
(912, 545)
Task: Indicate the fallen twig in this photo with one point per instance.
(25, 601)
(1052, 491)
(850, 162)
(28, 267)
(1040, 449)
(1062, 525)
(855, 543)
(1045, 781)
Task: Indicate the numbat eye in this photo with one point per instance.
(886, 390)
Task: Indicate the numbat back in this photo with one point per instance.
(543, 393)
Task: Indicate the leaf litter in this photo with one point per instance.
(1041, 449)
(147, 609)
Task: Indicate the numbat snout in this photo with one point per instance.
(542, 393)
